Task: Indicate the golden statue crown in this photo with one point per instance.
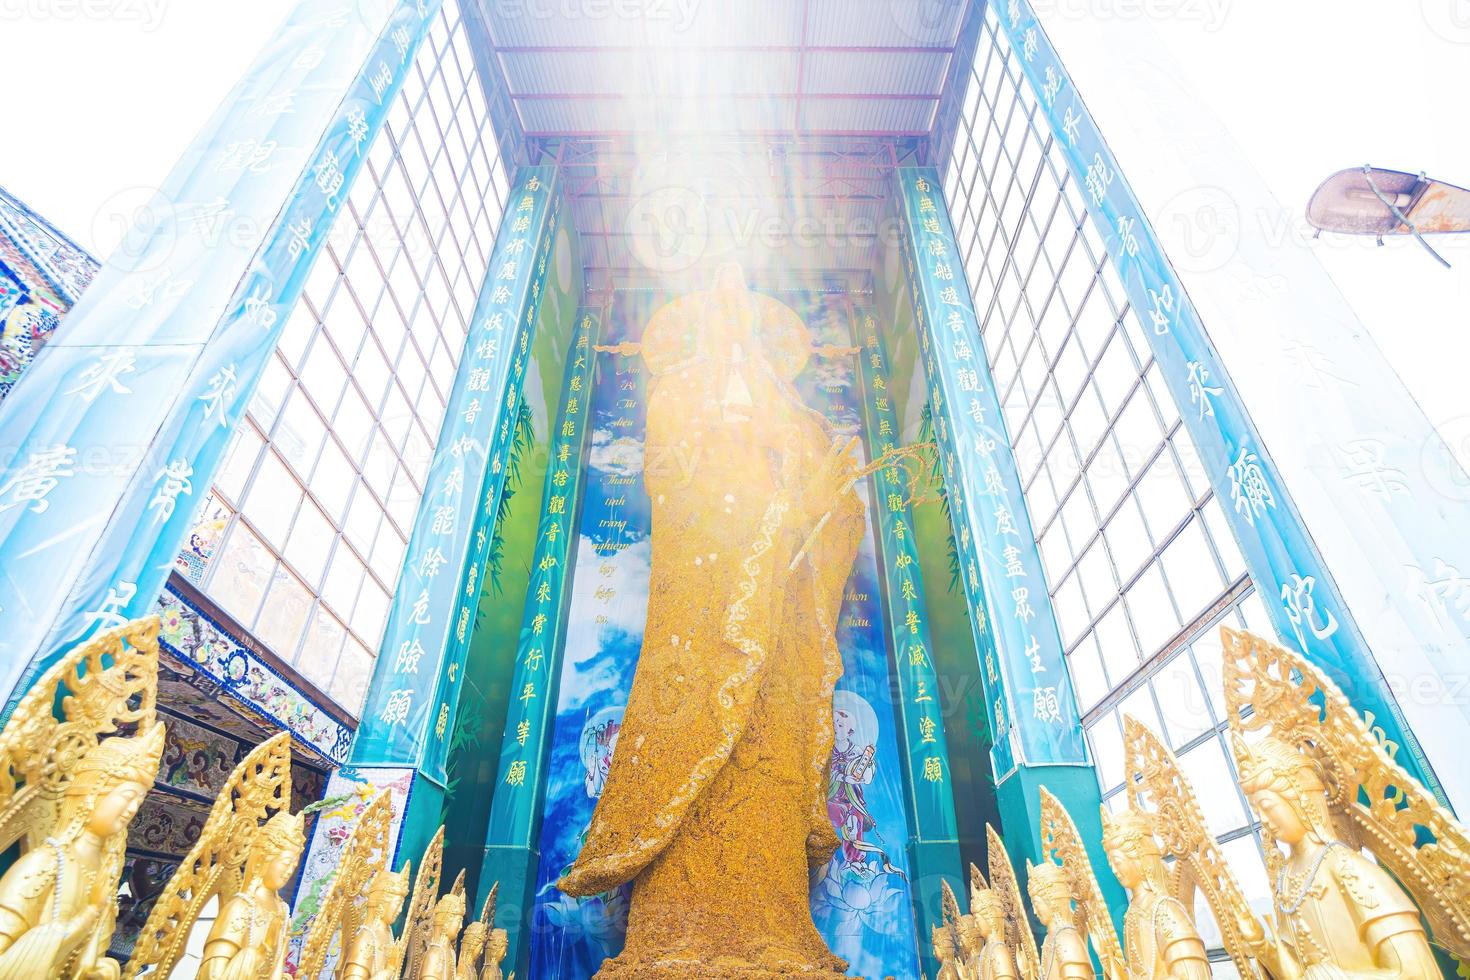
(119, 760)
(1132, 826)
(283, 833)
(1272, 761)
(1048, 880)
(389, 884)
(451, 906)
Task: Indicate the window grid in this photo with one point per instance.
(304, 531)
(1139, 560)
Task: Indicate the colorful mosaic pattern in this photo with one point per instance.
(190, 634)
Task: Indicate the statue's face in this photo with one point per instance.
(277, 872)
(1126, 865)
(115, 809)
(1279, 816)
(1041, 905)
(387, 903)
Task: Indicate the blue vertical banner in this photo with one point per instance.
(408, 716)
(515, 810)
(1033, 711)
(1304, 602)
(927, 773)
(127, 412)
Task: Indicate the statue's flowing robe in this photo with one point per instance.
(715, 805)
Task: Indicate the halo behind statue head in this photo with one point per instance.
(680, 331)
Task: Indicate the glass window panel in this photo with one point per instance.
(349, 684)
(1184, 706)
(1106, 739)
(241, 573)
(266, 401)
(298, 332)
(1096, 571)
(283, 616)
(1140, 704)
(240, 461)
(1128, 539)
(353, 425)
(332, 481)
(1088, 420)
(1137, 429)
(1152, 612)
(1085, 668)
(1189, 461)
(1224, 540)
(1070, 609)
(1055, 553)
(324, 375)
(1107, 476)
(1161, 493)
(387, 557)
(311, 543)
(371, 613)
(343, 579)
(1209, 656)
(1190, 568)
(300, 435)
(320, 651)
(1214, 784)
(1116, 642)
(1115, 375)
(363, 518)
(273, 499)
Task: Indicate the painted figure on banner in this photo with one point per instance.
(716, 807)
(860, 887)
(601, 918)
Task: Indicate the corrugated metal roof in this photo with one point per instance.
(760, 118)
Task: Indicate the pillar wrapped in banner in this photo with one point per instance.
(511, 842)
(127, 411)
(934, 853)
(1415, 527)
(403, 741)
(1033, 710)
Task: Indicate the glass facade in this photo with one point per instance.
(1139, 560)
(303, 535)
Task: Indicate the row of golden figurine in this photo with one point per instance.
(71, 781)
(1368, 872)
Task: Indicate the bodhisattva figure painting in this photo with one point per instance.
(716, 803)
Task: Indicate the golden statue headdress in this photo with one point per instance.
(1371, 799)
(109, 682)
(362, 865)
(947, 934)
(1060, 840)
(416, 929)
(1155, 780)
(1005, 887)
(215, 865)
(106, 685)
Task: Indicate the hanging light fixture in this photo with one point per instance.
(1371, 201)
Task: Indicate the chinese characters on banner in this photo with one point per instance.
(1000, 565)
(538, 654)
(409, 711)
(165, 349)
(1283, 561)
(931, 795)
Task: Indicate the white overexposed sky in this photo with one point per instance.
(98, 108)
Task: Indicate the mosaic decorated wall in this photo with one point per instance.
(861, 899)
(42, 272)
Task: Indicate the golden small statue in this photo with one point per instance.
(471, 946)
(67, 799)
(498, 940)
(1159, 936)
(715, 805)
(344, 908)
(370, 949)
(213, 868)
(1005, 888)
(249, 940)
(1157, 781)
(418, 928)
(1341, 914)
(993, 959)
(439, 961)
(1061, 841)
(945, 937)
(1064, 951)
